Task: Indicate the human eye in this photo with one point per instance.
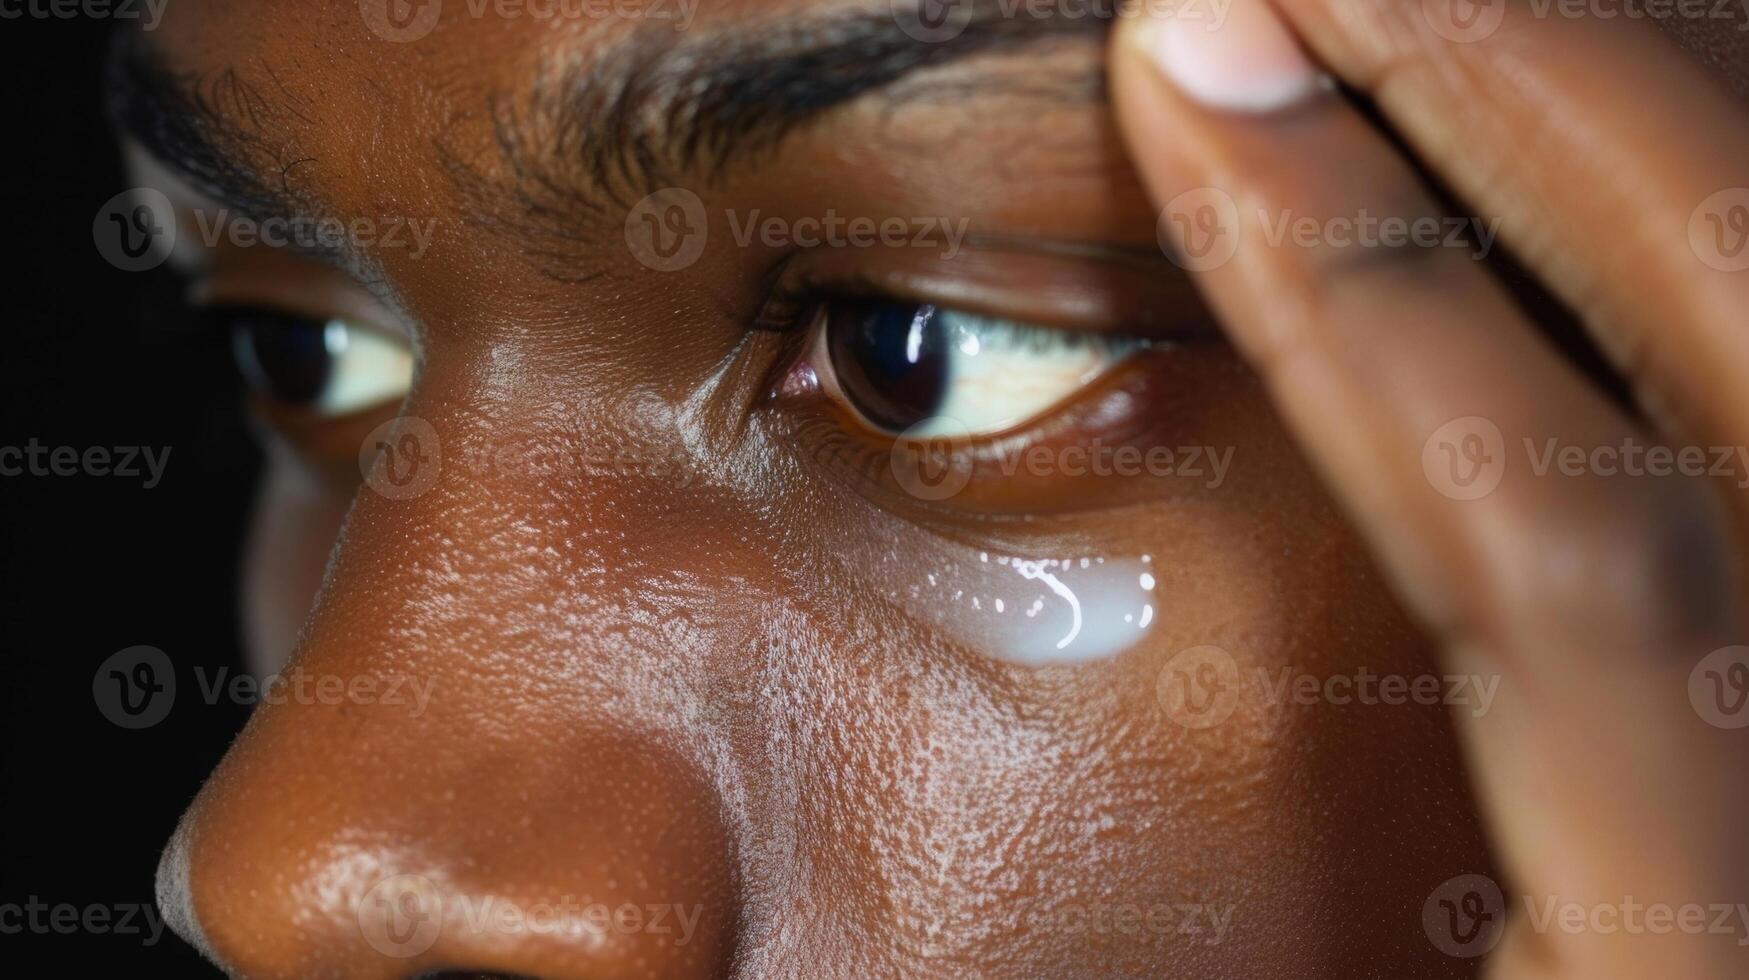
(1017, 385)
(922, 370)
(324, 367)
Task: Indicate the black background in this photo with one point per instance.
(93, 356)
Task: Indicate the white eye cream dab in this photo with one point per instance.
(1038, 611)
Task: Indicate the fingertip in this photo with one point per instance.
(1247, 62)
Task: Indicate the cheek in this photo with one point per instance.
(1036, 820)
(1167, 804)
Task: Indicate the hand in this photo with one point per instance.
(1605, 160)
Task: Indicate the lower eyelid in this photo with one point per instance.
(1152, 399)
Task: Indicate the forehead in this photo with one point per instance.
(362, 71)
(375, 65)
(463, 40)
(373, 82)
(371, 86)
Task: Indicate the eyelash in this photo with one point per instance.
(790, 305)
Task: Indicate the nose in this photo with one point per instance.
(596, 862)
(442, 786)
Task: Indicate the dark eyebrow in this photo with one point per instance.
(704, 104)
(605, 128)
(213, 131)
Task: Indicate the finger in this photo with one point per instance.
(1593, 596)
(1618, 170)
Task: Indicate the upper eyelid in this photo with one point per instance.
(339, 298)
(222, 311)
(1074, 288)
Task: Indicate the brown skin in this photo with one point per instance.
(680, 683)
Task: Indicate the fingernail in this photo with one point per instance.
(1247, 63)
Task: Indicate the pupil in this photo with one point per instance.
(891, 359)
(286, 355)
